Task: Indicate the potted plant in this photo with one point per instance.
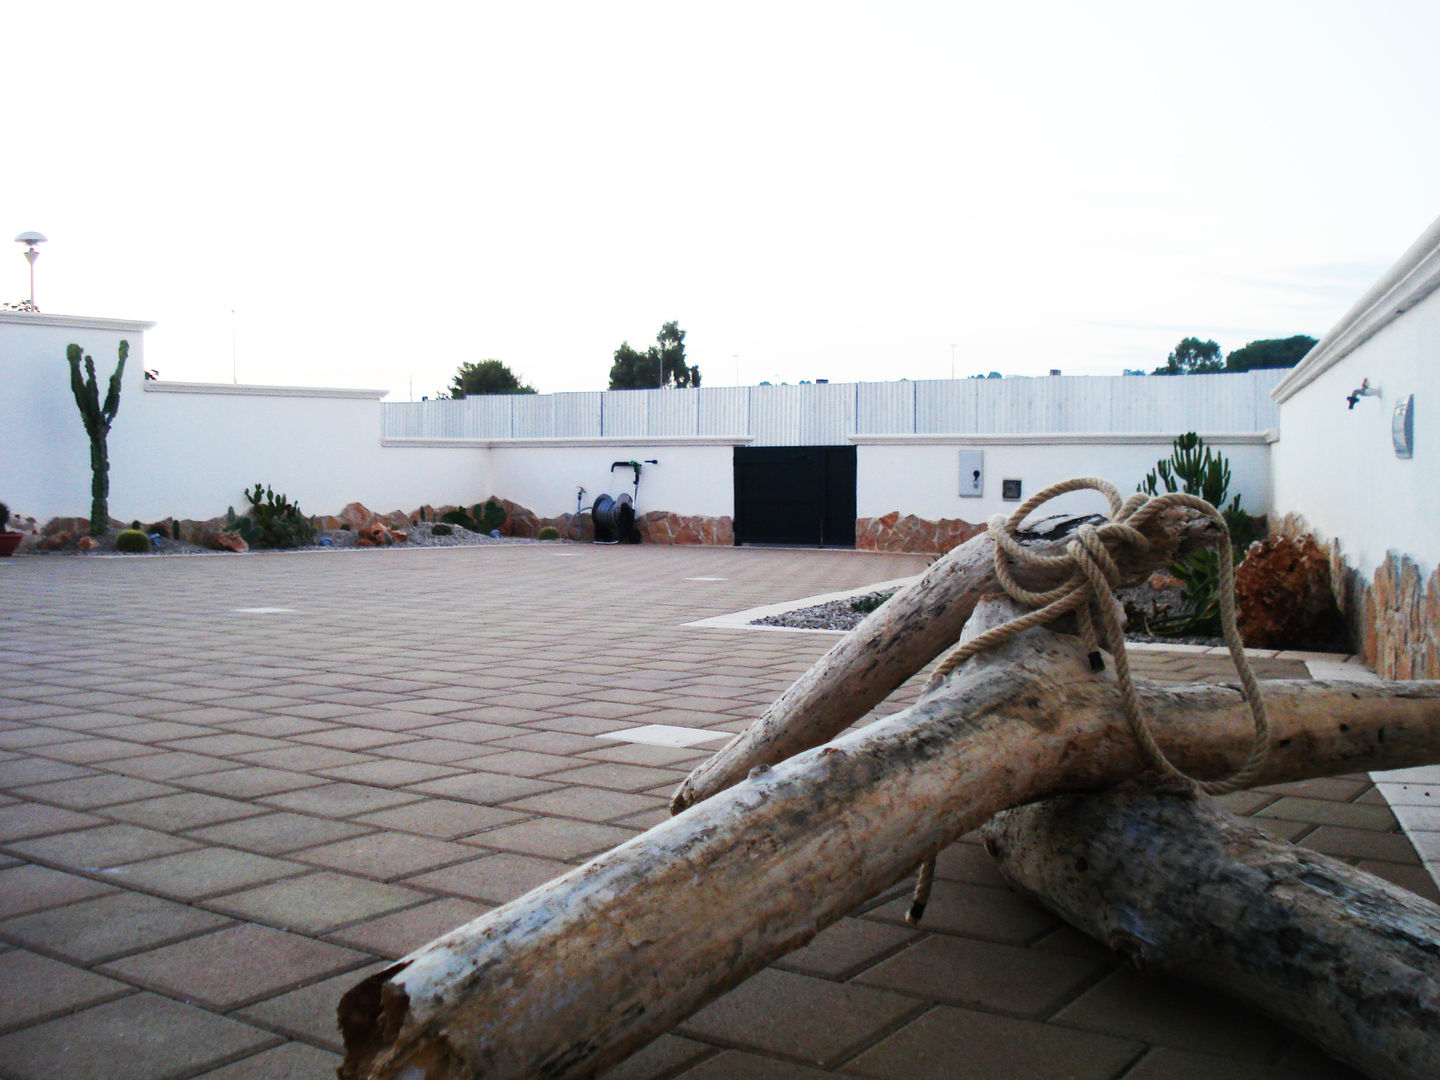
(9, 541)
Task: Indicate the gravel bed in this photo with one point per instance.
(419, 534)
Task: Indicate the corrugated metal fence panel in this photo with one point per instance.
(625, 413)
(813, 414)
(948, 406)
(831, 421)
(723, 411)
(673, 412)
(577, 416)
(885, 408)
(532, 416)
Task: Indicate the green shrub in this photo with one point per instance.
(133, 542)
(460, 518)
(549, 532)
(272, 521)
(440, 529)
(489, 517)
(866, 604)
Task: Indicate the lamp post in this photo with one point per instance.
(30, 239)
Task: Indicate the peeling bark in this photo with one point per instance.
(902, 636)
(1176, 885)
(577, 974)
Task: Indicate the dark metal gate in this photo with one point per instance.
(802, 495)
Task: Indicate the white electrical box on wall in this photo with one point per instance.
(972, 474)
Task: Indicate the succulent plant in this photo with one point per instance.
(133, 542)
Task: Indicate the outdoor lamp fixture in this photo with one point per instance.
(31, 239)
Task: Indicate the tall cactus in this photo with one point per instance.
(98, 419)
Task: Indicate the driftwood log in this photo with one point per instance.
(1176, 885)
(906, 633)
(577, 974)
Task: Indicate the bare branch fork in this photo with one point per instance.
(792, 834)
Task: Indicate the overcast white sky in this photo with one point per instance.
(835, 190)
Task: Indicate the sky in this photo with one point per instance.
(367, 195)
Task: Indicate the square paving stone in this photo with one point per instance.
(485, 787)
(845, 947)
(340, 800)
(101, 848)
(278, 832)
(999, 978)
(958, 1044)
(442, 818)
(92, 749)
(19, 820)
(619, 777)
(90, 792)
(391, 772)
(309, 1013)
(235, 965)
(1163, 1063)
(738, 1065)
(494, 879)
(797, 1016)
(397, 934)
(140, 1037)
(292, 1061)
(49, 987)
(975, 911)
(306, 758)
(190, 875)
(26, 888)
(658, 1059)
(169, 765)
(386, 855)
(188, 810)
(317, 903)
(1167, 1012)
(252, 781)
(1361, 844)
(588, 803)
(108, 926)
(554, 838)
(1330, 812)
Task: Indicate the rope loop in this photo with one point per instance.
(1089, 591)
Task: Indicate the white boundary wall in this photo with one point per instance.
(1337, 466)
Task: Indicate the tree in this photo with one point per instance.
(1270, 353)
(486, 377)
(1193, 357)
(661, 365)
(97, 419)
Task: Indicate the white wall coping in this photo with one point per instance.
(564, 441)
(1415, 276)
(1240, 438)
(79, 322)
(160, 386)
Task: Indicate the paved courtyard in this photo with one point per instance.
(230, 787)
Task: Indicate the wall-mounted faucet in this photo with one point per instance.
(1363, 390)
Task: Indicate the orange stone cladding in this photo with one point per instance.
(912, 534)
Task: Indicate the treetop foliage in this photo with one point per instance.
(661, 365)
(485, 377)
(1195, 357)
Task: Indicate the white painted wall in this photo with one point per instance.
(1337, 466)
(922, 476)
(689, 479)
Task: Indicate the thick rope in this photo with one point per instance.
(1090, 593)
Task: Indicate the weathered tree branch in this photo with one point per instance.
(577, 974)
(1174, 884)
(902, 636)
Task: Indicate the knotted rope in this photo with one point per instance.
(1089, 591)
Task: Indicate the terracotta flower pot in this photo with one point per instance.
(9, 541)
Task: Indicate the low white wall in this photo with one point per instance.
(694, 477)
(1337, 466)
(921, 476)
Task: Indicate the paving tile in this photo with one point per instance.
(1167, 1012)
(493, 879)
(658, 1059)
(351, 738)
(168, 765)
(550, 742)
(1164, 1063)
(253, 781)
(278, 832)
(442, 818)
(525, 763)
(1329, 812)
(306, 758)
(187, 810)
(1360, 844)
(228, 744)
(235, 965)
(90, 931)
(738, 1065)
(340, 799)
(485, 787)
(975, 911)
(846, 947)
(100, 848)
(436, 751)
(554, 838)
(391, 773)
(802, 1018)
(31, 888)
(619, 777)
(91, 750)
(140, 1037)
(291, 1061)
(90, 792)
(386, 855)
(316, 903)
(1414, 878)
(49, 988)
(469, 731)
(154, 731)
(191, 875)
(399, 933)
(960, 1044)
(309, 1013)
(19, 820)
(280, 727)
(588, 803)
(656, 756)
